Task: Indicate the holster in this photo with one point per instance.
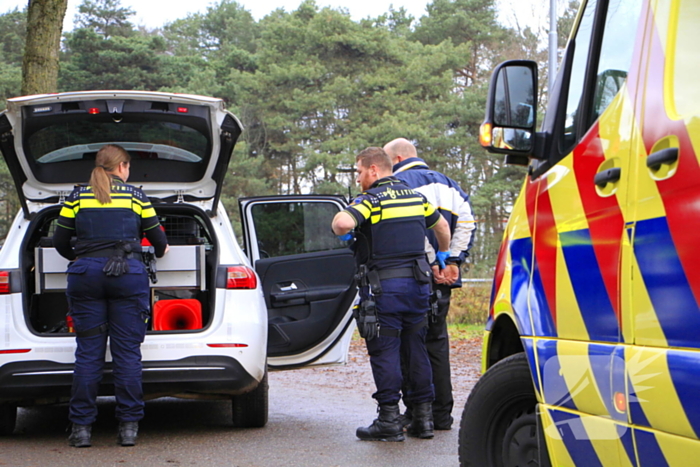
(148, 256)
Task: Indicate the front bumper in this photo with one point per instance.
(26, 383)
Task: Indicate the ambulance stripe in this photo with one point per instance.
(596, 309)
(539, 308)
(601, 357)
(650, 454)
(546, 252)
(555, 390)
(679, 192)
(625, 434)
(521, 254)
(683, 369)
(605, 220)
(575, 438)
(637, 415)
(666, 282)
(500, 271)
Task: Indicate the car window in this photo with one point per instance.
(76, 140)
(291, 228)
(681, 65)
(615, 53)
(582, 42)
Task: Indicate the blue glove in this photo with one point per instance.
(347, 237)
(442, 257)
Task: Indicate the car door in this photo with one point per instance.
(307, 277)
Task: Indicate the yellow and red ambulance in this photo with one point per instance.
(591, 354)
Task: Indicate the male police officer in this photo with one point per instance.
(394, 277)
(453, 203)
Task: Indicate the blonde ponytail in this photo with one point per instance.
(107, 160)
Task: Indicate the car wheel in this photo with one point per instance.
(249, 410)
(8, 418)
(499, 423)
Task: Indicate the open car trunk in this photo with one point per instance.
(185, 275)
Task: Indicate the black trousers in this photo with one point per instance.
(438, 345)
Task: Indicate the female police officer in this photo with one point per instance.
(108, 292)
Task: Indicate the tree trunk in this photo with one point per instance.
(40, 65)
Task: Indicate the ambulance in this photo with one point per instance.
(591, 350)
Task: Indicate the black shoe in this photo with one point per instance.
(128, 432)
(385, 428)
(80, 436)
(422, 424)
(445, 424)
(405, 419)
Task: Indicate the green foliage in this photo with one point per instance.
(105, 17)
(312, 88)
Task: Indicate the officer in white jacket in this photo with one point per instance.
(453, 203)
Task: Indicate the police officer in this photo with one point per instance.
(108, 291)
(453, 204)
(390, 222)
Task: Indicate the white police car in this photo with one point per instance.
(218, 325)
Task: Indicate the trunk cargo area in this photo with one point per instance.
(180, 300)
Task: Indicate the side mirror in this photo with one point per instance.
(511, 109)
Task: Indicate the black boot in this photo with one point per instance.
(406, 418)
(422, 424)
(128, 432)
(80, 436)
(386, 427)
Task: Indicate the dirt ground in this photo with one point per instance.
(465, 360)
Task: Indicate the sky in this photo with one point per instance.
(156, 13)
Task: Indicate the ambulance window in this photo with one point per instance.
(615, 53)
(682, 63)
(582, 43)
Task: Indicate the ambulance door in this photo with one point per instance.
(581, 209)
(664, 364)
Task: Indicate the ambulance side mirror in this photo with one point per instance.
(511, 110)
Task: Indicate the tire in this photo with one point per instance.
(249, 410)
(8, 418)
(499, 422)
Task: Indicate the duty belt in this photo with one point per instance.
(106, 253)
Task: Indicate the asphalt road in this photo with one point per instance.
(312, 422)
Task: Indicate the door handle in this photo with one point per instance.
(665, 156)
(607, 176)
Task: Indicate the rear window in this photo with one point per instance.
(143, 139)
(167, 141)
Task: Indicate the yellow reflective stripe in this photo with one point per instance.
(400, 201)
(67, 212)
(429, 209)
(146, 213)
(402, 211)
(116, 203)
(364, 208)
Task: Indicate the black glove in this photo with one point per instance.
(116, 266)
(367, 323)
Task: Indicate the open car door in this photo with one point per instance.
(307, 277)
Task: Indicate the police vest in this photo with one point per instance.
(99, 225)
(392, 220)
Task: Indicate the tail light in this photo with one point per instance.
(240, 277)
(4, 282)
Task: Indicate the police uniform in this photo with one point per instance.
(103, 305)
(390, 243)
